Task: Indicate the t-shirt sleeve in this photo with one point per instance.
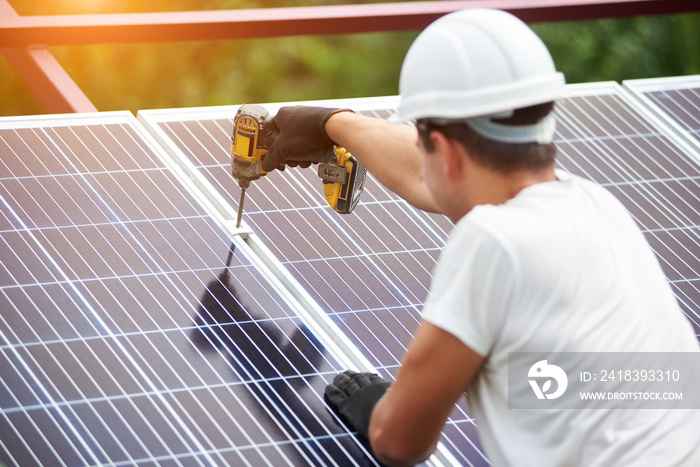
(472, 288)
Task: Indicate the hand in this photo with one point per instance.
(353, 396)
(302, 138)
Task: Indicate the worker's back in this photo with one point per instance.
(560, 268)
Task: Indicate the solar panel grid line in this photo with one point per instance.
(55, 177)
(636, 178)
(601, 149)
(39, 431)
(322, 315)
(43, 250)
(65, 405)
(36, 336)
(44, 344)
(463, 459)
(298, 434)
(69, 195)
(683, 222)
(347, 267)
(661, 96)
(328, 286)
(84, 448)
(4, 445)
(303, 304)
(98, 318)
(289, 175)
(662, 126)
(638, 181)
(333, 340)
(356, 247)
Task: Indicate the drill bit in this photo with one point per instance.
(240, 208)
(243, 184)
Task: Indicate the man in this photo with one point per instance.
(538, 260)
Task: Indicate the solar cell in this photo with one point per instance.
(676, 100)
(130, 331)
(370, 271)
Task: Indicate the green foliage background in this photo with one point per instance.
(190, 74)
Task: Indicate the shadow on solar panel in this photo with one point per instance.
(278, 369)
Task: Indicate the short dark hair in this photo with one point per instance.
(496, 155)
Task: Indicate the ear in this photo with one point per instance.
(453, 154)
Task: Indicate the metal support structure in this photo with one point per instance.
(317, 20)
(59, 93)
(43, 74)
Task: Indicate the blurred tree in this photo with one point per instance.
(161, 75)
(629, 48)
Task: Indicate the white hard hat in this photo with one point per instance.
(476, 63)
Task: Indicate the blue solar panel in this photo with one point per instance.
(370, 270)
(676, 100)
(130, 332)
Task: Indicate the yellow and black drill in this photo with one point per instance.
(254, 132)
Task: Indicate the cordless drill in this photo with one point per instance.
(254, 132)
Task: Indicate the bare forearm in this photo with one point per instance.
(406, 451)
(389, 152)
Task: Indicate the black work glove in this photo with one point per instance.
(353, 396)
(302, 138)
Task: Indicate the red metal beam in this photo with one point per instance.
(48, 80)
(44, 75)
(320, 20)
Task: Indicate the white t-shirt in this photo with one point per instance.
(561, 267)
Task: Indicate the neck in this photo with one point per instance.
(485, 186)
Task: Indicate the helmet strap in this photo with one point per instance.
(541, 132)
